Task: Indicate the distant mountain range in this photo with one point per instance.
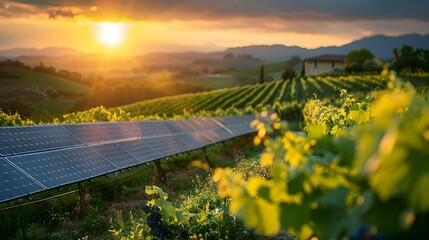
(381, 46)
(45, 52)
(166, 53)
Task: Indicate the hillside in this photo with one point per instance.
(269, 95)
(43, 81)
(39, 94)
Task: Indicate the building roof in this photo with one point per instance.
(327, 57)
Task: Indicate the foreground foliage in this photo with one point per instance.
(201, 214)
(361, 169)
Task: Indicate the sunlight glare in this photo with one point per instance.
(110, 34)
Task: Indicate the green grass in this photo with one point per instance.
(11, 91)
(214, 82)
(41, 80)
(54, 107)
(251, 75)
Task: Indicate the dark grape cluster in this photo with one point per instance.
(364, 233)
(154, 221)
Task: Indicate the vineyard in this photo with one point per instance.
(355, 171)
(297, 90)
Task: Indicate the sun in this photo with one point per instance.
(110, 34)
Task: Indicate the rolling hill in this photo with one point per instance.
(276, 94)
(43, 81)
(380, 45)
(34, 87)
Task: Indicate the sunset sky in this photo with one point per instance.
(134, 26)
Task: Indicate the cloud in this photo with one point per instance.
(291, 10)
(64, 12)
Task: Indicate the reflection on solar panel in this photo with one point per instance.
(157, 128)
(135, 129)
(112, 131)
(167, 145)
(16, 140)
(142, 152)
(37, 158)
(86, 133)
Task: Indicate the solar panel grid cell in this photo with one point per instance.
(62, 167)
(14, 183)
(141, 151)
(186, 125)
(17, 140)
(159, 128)
(191, 142)
(112, 131)
(135, 129)
(86, 133)
(167, 145)
(115, 155)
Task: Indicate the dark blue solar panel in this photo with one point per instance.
(14, 183)
(36, 158)
(115, 155)
(191, 125)
(168, 145)
(241, 129)
(139, 150)
(158, 128)
(16, 140)
(135, 129)
(212, 136)
(190, 141)
(186, 125)
(86, 133)
(112, 131)
(62, 167)
(232, 120)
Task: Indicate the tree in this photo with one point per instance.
(17, 105)
(262, 75)
(228, 56)
(289, 73)
(355, 60)
(408, 59)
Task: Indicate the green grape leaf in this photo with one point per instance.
(333, 219)
(259, 214)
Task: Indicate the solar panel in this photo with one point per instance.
(112, 131)
(211, 136)
(168, 145)
(142, 152)
(36, 158)
(157, 128)
(186, 125)
(191, 125)
(14, 183)
(135, 129)
(202, 137)
(231, 120)
(190, 141)
(115, 155)
(16, 140)
(62, 167)
(86, 133)
(241, 129)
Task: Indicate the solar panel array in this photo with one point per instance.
(42, 157)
